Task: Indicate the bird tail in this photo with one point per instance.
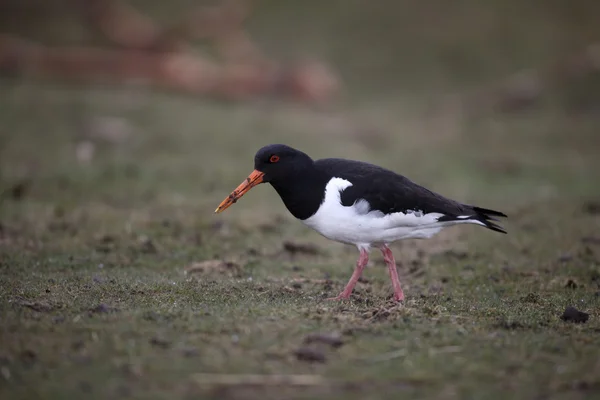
(477, 215)
(488, 218)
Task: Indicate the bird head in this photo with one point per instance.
(275, 164)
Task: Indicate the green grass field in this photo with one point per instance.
(95, 300)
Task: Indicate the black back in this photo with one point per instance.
(385, 190)
(389, 192)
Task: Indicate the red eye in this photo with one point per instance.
(274, 158)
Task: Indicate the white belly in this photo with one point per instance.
(363, 228)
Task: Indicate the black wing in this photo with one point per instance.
(389, 192)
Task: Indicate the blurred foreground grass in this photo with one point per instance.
(93, 247)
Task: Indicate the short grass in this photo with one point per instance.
(94, 297)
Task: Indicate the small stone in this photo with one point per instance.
(572, 314)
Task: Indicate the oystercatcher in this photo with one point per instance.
(357, 203)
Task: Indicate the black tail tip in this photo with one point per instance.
(488, 217)
(489, 214)
(494, 227)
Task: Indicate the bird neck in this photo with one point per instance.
(302, 192)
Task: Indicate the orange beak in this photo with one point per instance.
(252, 180)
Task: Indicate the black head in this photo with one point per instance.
(278, 161)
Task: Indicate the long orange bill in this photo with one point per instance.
(252, 180)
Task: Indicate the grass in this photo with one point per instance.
(95, 300)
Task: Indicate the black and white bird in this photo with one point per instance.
(357, 203)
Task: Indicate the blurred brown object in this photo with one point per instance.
(166, 70)
(127, 27)
(148, 54)
(121, 23)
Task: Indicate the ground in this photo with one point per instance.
(118, 280)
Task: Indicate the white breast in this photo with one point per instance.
(363, 227)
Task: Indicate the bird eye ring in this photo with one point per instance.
(274, 158)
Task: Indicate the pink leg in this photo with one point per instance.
(391, 264)
(363, 259)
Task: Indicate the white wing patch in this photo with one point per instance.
(362, 207)
(360, 225)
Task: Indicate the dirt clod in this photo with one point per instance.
(456, 254)
(106, 244)
(572, 314)
(159, 342)
(102, 309)
(590, 240)
(36, 306)
(531, 298)
(310, 354)
(302, 248)
(85, 387)
(78, 345)
(223, 267)
(571, 284)
(592, 207)
(28, 357)
(332, 339)
(152, 316)
(148, 246)
(509, 325)
(19, 190)
(380, 313)
(190, 352)
(564, 258)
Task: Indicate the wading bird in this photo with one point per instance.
(357, 203)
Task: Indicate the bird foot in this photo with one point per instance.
(398, 296)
